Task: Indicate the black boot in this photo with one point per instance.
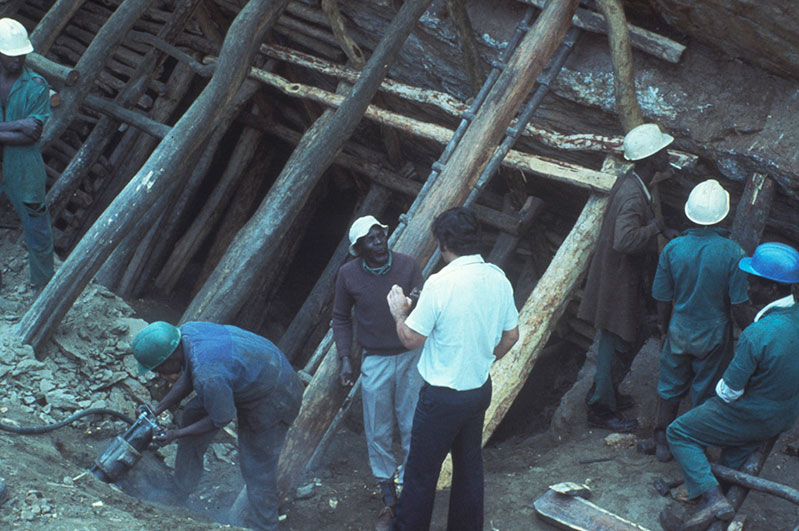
(389, 492)
(665, 415)
(714, 506)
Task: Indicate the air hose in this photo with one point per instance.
(36, 430)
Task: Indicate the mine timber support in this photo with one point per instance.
(152, 180)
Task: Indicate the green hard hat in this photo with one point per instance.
(153, 345)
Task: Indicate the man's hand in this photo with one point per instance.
(30, 127)
(165, 437)
(346, 372)
(398, 303)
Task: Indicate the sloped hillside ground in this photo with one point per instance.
(85, 365)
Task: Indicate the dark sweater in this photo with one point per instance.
(377, 333)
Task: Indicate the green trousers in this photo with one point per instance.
(711, 424)
(613, 361)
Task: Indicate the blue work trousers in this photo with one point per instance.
(38, 237)
(445, 421)
(710, 424)
(259, 449)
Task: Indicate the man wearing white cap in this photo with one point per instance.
(390, 381)
(699, 287)
(25, 98)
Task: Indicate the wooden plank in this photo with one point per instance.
(752, 212)
(579, 514)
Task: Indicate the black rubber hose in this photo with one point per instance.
(35, 430)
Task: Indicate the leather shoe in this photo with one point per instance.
(612, 422)
(384, 519)
(714, 505)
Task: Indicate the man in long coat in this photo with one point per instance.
(615, 292)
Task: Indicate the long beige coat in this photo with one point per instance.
(615, 294)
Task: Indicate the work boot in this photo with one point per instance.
(662, 450)
(714, 505)
(666, 412)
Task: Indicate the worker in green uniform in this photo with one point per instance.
(757, 398)
(25, 100)
(698, 276)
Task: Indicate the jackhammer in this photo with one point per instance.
(125, 450)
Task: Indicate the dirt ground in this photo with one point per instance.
(86, 366)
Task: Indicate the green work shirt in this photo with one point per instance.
(698, 271)
(24, 176)
(766, 367)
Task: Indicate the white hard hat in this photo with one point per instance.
(14, 38)
(360, 228)
(645, 140)
(708, 203)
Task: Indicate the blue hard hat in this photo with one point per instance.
(774, 261)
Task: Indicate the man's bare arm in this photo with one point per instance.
(506, 342)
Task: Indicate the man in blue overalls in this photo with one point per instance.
(698, 276)
(235, 374)
(757, 398)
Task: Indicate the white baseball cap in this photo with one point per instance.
(360, 228)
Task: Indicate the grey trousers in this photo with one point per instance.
(389, 388)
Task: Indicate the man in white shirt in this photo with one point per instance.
(465, 319)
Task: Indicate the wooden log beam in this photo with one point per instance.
(91, 65)
(339, 28)
(103, 131)
(736, 495)
(752, 482)
(136, 119)
(455, 107)
(644, 40)
(226, 289)
(153, 179)
(9, 8)
(621, 56)
(752, 212)
(210, 213)
(473, 63)
(473, 152)
(171, 229)
(57, 75)
(379, 174)
(538, 165)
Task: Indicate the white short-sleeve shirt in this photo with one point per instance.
(463, 310)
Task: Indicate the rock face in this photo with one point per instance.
(762, 32)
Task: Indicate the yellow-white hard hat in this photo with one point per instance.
(14, 38)
(645, 140)
(708, 203)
